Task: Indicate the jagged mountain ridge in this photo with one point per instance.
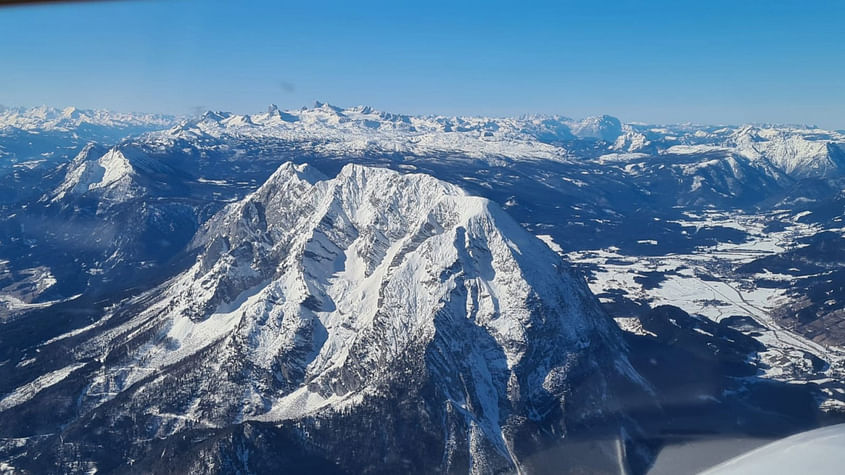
(113, 173)
(796, 151)
(311, 296)
(792, 150)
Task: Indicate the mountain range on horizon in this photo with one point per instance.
(794, 150)
(18, 116)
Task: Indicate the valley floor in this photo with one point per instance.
(706, 283)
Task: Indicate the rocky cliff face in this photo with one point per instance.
(373, 321)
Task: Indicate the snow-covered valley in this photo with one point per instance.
(709, 283)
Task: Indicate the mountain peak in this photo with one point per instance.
(326, 107)
(93, 169)
(70, 112)
(361, 109)
(213, 116)
(604, 127)
(110, 172)
(289, 170)
(326, 291)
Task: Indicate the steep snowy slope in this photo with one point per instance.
(374, 303)
(605, 128)
(797, 152)
(358, 131)
(113, 173)
(34, 141)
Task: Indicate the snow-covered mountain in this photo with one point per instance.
(33, 141)
(332, 308)
(111, 172)
(362, 129)
(796, 151)
(171, 293)
(46, 118)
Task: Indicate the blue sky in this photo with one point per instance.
(701, 61)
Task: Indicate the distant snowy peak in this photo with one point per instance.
(360, 130)
(795, 151)
(798, 152)
(605, 128)
(631, 141)
(69, 118)
(561, 128)
(791, 150)
(363, 129)
(84, 172)
(111, 171)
